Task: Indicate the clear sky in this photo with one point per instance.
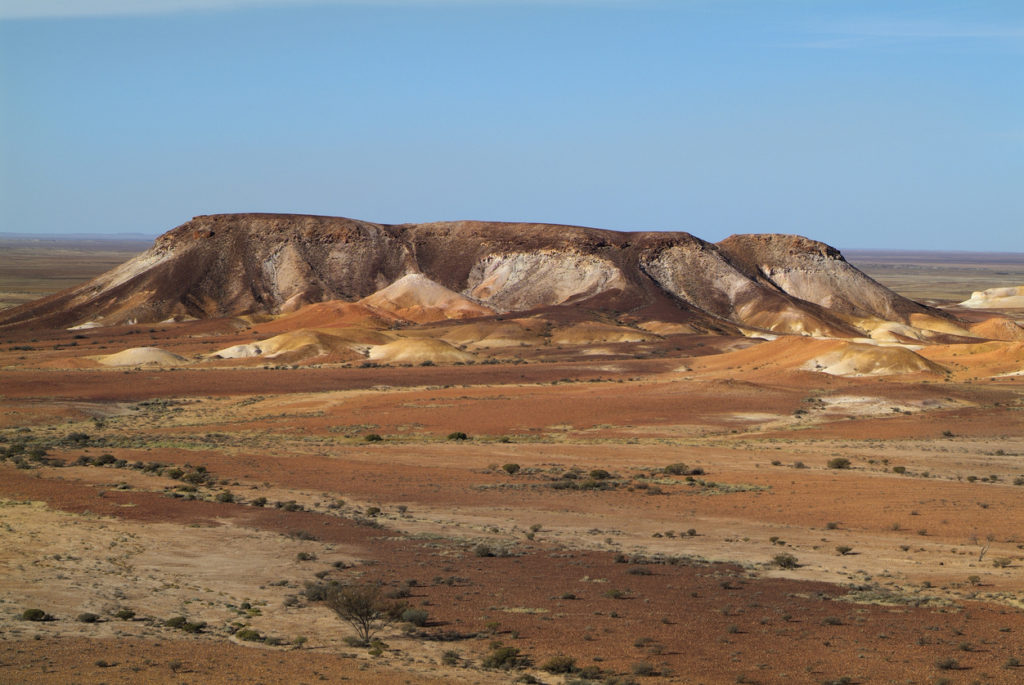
(870, 124)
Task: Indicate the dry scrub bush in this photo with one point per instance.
(364, 608)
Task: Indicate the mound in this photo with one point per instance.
(416, 298)
(998, 328)
(488, 334)
(331, 314)
(418, 351)
(854, 359)
(142, 356)
(996, 298)
(835, 357)
(995, 358)
(590, 333)
(300, 344)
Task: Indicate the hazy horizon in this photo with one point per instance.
(866, 125)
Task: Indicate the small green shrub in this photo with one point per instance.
(785, 560)
(559, 664)
(182, 623)
(843, 550)
(373, 437)
(839, 463)
(504, 658)
(510, 468)
(225, 496)
(125, 614)
(643, 668)
(88, 617)
(458, 435)
(249, 635)
(417, 617)
(35, 615)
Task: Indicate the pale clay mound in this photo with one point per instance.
(417, 351)
(495, 334)
(996, 298)
(140, 356)
(309, 343)
(416, 298)
(854, 359)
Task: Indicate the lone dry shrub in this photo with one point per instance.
(785, 561)
(364, 607)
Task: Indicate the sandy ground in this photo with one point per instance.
(907, 562)
(894, 575)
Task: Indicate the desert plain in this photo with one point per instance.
(563, 498)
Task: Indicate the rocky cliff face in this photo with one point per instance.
(229, 265)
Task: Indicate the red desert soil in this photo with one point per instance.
(607, 575)
(631, 492)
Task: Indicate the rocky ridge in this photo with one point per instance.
(270, 264)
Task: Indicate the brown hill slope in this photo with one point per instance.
(229, 265)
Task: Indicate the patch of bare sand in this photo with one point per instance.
(102, 565)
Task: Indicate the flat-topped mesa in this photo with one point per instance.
(234, 264)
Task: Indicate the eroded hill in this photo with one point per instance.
(230, 265)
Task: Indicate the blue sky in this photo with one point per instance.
(865, 124)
